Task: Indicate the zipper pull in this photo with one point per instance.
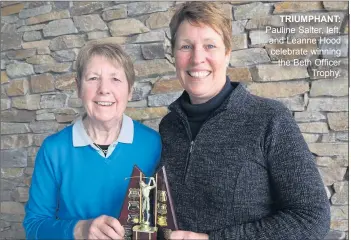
(191, 147)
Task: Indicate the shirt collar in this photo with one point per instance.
(81, 138)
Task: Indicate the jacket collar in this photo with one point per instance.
(234, 101)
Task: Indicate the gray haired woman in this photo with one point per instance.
(78, 185)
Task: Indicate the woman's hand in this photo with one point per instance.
(103, 227)
(187, 235)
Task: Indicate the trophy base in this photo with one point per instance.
(141, 232)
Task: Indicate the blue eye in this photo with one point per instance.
(185, 47)
(210, 46)
(92, 78)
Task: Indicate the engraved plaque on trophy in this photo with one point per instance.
(147, 211)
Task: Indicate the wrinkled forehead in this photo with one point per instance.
(114, 61)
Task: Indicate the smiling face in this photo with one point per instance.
(201, 61)
(104, 90)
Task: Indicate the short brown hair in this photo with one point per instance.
(111, 51)
(207, 13)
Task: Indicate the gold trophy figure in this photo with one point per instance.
(145, 190)
(147, 211)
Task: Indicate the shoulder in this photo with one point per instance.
(54, 148)
(61, 138)
(268, 105)
(167, 121)
(142, 129)
(273, 115)
(145, 134)
(263, 108)
(257, 112)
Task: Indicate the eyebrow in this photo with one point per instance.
(188, 40)
(112, 74)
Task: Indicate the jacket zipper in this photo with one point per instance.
(192, 142)
(187, 160)
(188, 131)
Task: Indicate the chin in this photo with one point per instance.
(104, 118)
(197, 91)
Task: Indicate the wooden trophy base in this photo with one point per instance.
(142, 233)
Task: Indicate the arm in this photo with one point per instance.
(303, 211)
(40, 220)
(152, 180)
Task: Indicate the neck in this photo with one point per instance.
(102, 134)
(203, 99)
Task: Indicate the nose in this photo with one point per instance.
(104, 87)
(198, 56)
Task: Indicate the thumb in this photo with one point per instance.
(175, 235)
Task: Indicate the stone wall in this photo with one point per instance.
(39, 45)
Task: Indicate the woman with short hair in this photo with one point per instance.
(237, 164)
(78, 185)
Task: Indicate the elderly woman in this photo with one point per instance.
(237, 164)
(78, 185)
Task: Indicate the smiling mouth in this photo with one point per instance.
(105, 104)
(200, 74)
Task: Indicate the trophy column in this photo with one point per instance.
(131, 211)
(166, 219)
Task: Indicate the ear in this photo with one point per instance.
(130, 94)
(78, 88)
(227, 59)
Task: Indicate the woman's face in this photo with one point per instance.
(201, 61)
(104, 90)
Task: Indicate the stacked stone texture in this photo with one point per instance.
(40, 42)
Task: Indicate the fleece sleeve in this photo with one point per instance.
(303, 211)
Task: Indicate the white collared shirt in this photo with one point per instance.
(81, 137)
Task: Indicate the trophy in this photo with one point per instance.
(147, 211)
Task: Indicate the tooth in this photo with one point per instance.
(199, 74)
(105, 103)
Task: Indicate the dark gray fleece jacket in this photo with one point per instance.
(248, 174)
